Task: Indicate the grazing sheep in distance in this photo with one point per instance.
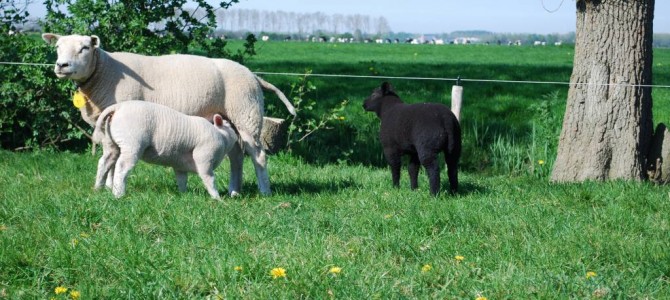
(193, 85)
(421, 131)
(133, 130)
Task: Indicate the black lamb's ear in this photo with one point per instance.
(386, 88)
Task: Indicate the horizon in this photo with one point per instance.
(428, 17)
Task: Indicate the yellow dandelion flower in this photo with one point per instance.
(481, 298)
(341, 118)
(426, 268)
(590, 274)
(459, 258)
(74, 242)
(75, 295)
(335, 270)
(238, 269)
(540, 162)
(278, 273)
(60, 290)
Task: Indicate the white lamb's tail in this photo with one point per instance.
(101, 125)
(268, 86)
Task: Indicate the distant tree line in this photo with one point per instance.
(240, 20)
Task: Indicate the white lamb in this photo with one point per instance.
(193, 85)
(133, 130)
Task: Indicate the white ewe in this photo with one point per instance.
(133, 130)
(193, 85)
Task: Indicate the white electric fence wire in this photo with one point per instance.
(461, 79)
(416, 78)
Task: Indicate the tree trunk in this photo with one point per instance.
(607, 127)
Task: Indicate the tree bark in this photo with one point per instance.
(608, 126)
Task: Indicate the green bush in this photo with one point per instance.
(35, 107)
(34, 111)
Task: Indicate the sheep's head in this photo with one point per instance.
(76, 55)
(379, 95)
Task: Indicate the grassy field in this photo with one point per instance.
(517, 237)
(334, 224)
(498, 115)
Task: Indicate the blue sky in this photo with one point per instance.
(438, 16)
(443, 16)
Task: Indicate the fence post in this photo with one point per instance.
(457, 98)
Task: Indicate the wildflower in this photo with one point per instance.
(590, 274)
(480, 298)
(540, 162)
(388, 216)
(459, 258)
(60, 290)
(238, 268)
(74, 242)
(278, 272)
(341, 118)
(426, 268)
(75, 295)
(335, 270)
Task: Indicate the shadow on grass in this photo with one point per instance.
(312, 187)
(466, 188)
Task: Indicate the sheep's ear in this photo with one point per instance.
(218, 120)
(50, 38)
(386, 87)
(95, 41)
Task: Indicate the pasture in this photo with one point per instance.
(334, 224)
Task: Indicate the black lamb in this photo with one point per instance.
(421, 131)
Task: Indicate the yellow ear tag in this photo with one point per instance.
(78, 99)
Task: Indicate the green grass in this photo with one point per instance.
(507, 111)
(333, 204)
(520, 237)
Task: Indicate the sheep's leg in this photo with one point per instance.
(124, 164)
(106, 163)
(182, 179)
(393, 157)
(258, 157)
(429, 161)
(452, 171)
(236, 157)
(260, 165)
(208, 179)
(109, 183)
(414, 171)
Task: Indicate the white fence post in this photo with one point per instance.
(457, 99)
